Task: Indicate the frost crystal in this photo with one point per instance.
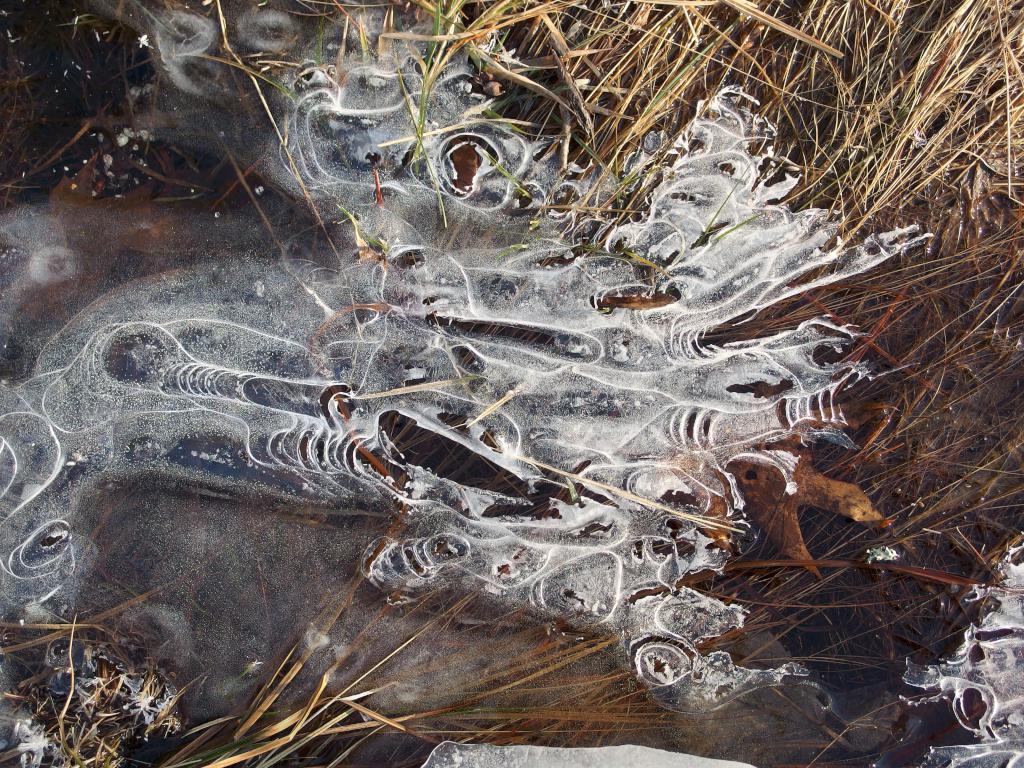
(31, 745)
(462, 298)
(984, 679)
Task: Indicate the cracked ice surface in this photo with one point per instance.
(984, 679)
(474, 308)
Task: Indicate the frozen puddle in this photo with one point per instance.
(460, 297)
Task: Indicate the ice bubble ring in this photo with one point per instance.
(185, 41)
(357, 126)
(606, 380)
(37, 543)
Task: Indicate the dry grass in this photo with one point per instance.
(921, 119)
(923, 95)
(301, 716)
(94, 701)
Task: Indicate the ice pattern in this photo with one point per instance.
(463, 296)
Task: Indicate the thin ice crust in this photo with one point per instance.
(462, 305)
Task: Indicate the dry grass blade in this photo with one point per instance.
(427, 386)
(495, 406)
(708, 522)
(523, 81)
(748, 8)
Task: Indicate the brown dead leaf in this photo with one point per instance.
(719, 510)
(776, 512)
(141, 226)
(768, 505)
(846, 499)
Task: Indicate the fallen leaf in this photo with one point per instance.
(846, 499)
(767, 504)
(776, 512)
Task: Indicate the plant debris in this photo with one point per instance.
(91, 704)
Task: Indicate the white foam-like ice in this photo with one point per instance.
(984, 679)
(451, 755)
(470, 304)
